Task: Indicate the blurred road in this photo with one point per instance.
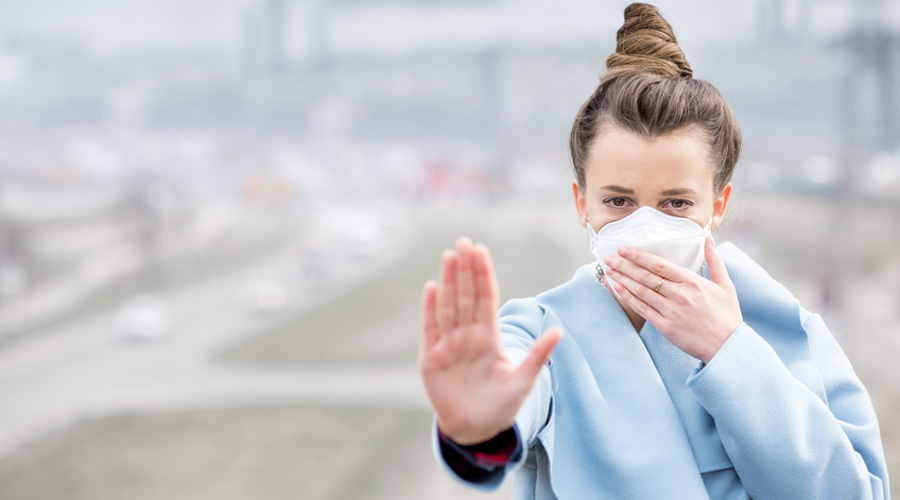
(83, 368)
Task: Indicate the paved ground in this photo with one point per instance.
(323, 400)
(62, 373)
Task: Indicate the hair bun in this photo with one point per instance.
(646, 44)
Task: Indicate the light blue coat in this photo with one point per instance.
(778, 413)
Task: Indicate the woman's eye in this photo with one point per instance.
(616, 201)
(678, 204)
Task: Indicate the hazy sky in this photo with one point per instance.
(110, 25)
(398, 26)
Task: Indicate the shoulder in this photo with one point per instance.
(761, 296)
(570, 300)
(523, 315)
(774, 314)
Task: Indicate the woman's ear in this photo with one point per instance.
(719, 206)
(579, 204)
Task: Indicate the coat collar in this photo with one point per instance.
(612, 408)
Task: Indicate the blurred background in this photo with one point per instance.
(216, 217)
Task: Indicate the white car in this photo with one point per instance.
(142, 317)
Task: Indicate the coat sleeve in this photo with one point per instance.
(784, 441)
(520, 321)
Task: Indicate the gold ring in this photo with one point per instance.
(661, 280)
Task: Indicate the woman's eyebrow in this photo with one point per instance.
(617, 189)
(678, 192)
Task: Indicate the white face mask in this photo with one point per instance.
(676, 239)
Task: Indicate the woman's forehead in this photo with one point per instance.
(628, 161)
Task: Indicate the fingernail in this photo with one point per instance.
(624, 251)
(619, 288)
(607, 259)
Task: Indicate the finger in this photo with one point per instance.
(718, 274)
(625, 286)
(486, 293)
(641, 292)
(430, 334)
(619, 266)
(655, 264)
(447, 292)
(465, 281)
(538, 355)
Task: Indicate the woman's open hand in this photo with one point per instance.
(694, 313)
(475, 390)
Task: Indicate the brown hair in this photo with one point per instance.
(649, 89)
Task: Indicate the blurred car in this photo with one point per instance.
(142, 317)
(264, 296)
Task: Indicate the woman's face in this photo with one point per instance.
(670, 173)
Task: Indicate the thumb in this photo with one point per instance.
(539, 354)
(717, 272)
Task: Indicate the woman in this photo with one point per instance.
(654, 374)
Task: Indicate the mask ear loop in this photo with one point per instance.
(601, 276)
(708, 229)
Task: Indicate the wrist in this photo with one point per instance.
(464, 436)
(717, 345)
(499, 451)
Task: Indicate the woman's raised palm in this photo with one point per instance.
(474, 388)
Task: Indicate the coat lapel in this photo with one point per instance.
(614, 427)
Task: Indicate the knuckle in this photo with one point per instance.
(659, 267)
(639, 306)
(646, 276)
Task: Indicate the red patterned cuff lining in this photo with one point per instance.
(496, 452)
